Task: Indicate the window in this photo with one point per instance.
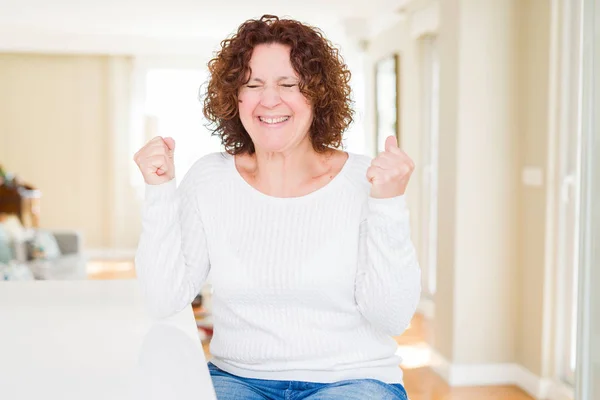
(172, 108)
(166, 102)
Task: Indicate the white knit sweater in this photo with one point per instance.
(308, 288)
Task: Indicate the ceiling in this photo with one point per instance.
(147, 25)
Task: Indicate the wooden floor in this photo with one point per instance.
(423, 384)
(420, 381)
(109, 270)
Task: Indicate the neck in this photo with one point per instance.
(281, 173)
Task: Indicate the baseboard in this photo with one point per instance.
(558, 391)
(440, 366)
(482, 375)
(473, 374)
(499, 374)
(535, 386)
(110, 254)
(426, 307)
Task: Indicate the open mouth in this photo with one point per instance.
(274, 120)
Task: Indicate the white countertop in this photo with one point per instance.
(93, 340)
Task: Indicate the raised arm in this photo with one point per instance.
(172, 257)
(388, 282)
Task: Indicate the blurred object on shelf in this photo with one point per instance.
(19, 198)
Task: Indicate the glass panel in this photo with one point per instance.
(430, 123)
(386, 101)
(588, 349)
(569, 213)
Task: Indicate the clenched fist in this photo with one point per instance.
(155, 160)
(390, 171)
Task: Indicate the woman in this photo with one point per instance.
(308, 246)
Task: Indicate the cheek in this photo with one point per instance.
(307, 113)
(300, 106)
(246, 107)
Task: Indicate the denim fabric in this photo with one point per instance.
(231, 387)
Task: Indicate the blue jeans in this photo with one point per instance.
(232, 387)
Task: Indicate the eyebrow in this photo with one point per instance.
(281, 78)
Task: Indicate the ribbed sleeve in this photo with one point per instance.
(172, 256)
(388, 283)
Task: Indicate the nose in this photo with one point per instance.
(270, 97)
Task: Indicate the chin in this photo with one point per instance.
(272, 144)
(270, 147)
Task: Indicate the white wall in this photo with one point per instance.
(534, 59)
(487, 183)
(63, 129)
(55, 136)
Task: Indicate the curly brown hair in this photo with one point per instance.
(324, 81)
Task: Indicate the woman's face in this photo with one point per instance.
(274, 112)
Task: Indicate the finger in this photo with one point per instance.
(398, 159)
(156, 163)
(158, 148)
(391, 143)
(405, 160)
(394, 158)
(385, 161)
(373, 173)
(155, 146)
(170, 142)
(161, 171)
(156, 143)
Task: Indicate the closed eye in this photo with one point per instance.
(252, 86)
(289, 85)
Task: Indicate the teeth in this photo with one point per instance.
(274, 120)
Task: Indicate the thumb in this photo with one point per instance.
(391, 142)
(170, 142)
